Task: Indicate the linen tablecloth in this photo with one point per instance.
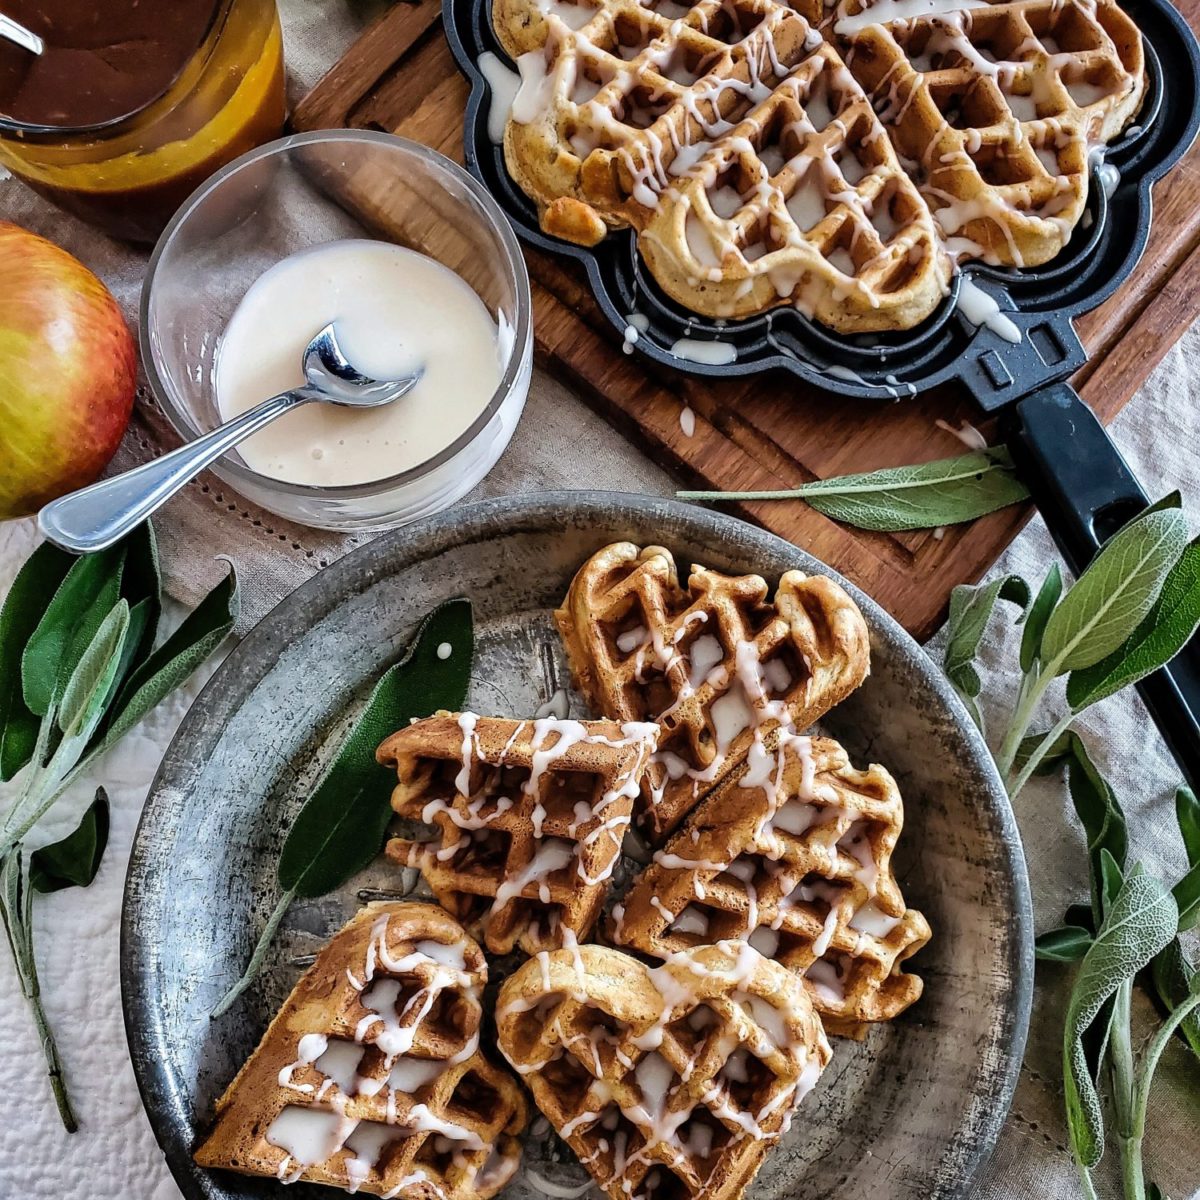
(559, 443)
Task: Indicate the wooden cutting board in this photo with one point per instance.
(773, 431)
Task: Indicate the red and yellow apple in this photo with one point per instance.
(68, 368)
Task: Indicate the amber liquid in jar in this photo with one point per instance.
(134, 103)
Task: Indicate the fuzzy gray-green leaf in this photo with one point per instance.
(1173, 976)
(1140, 923)
(924, 496)
(1116, 591)
(1162, 633)
(87, 689)
(1037, 616)
(73, 861)
(1068, 943)
(970, 609)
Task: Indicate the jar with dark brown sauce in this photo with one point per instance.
(134, 103)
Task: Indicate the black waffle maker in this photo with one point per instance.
(1080, 482)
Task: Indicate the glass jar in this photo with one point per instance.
(128, 172)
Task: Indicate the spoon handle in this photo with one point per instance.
(95, 517)
(25, 38)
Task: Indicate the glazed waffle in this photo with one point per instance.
(753, 165)
(370, 1077)
(995, 111)
(668, 1082)
(800, 866)
(718, 665)
(530, 816)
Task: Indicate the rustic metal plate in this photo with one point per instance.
(909, 1113)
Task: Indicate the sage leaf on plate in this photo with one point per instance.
(1163, 632)
(73, 606)
(73, 861)
(1068, 943)
(341, 826)
(970, 609)
(40, 576)
(1115, 593)
(1037, 616)
(1140, 923)
(200, 633)
(924, 496)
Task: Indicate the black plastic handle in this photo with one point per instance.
(1086, 492)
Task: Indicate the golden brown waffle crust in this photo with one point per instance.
(530, 817)
(809, 626)
(771, 155)
(802, 866)
(436, 1035)
(591, 1031)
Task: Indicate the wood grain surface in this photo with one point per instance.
(773, 431)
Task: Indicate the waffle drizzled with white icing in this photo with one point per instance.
(800, 866)
(530, 817)
(666, 1082)
(767, 154)
(370, 1076)
(719, 665)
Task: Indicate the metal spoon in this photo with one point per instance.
(95, 517)
(25, 38)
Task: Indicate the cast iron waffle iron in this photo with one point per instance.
(1081, 483)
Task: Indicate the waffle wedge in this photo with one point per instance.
(370, 1076)
(718, 664)
(839, 161)
(672, 1081)
(735, 143)
(798, 865)
(530, 816)
(995, 110)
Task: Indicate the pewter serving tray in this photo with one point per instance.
(910, 1113)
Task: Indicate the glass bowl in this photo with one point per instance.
(303, 191)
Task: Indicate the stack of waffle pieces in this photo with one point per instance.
(672, 1058)
(838, 160)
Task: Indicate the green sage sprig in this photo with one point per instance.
(1129, 930)
(1133, 609)
(925, 496)
(78, 669)
(1129, 613)
(341, 826)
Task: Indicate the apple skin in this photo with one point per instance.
(68, 370)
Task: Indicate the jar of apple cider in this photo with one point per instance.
(133, 103)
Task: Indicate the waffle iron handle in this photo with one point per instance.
(1086, 492)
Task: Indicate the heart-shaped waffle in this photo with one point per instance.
(717, 665)
(666, 1082)
(370, 1076)
(799, 864)
(530, 817)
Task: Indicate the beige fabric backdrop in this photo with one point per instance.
(559, 443)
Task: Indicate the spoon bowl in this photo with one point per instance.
(98, 516)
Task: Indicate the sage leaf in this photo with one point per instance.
(1173, 976)
(200, 633)
(1140, 923)
(40, 576)
(73, 861)
(341, 826)
(1069, 943)
(43, 661)
(1163, 632)
(141, 585)
(925, 496)
(1110, 880)
(1037, 616)
(1187, 897)
(1187, 813)
(1115, 593)
(970, 609)
(88, 686)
